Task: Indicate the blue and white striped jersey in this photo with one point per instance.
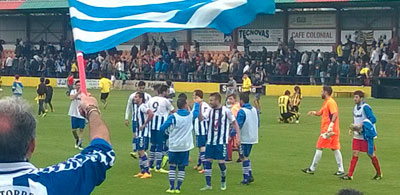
(218, 125)
(141, 117)
(78, 175)
(200, 126)
(161, 108)
(131, 107)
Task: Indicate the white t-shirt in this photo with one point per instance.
(74, 106)
(130, 107)
(218, 126)
(161, 108)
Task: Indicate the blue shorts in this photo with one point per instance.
(134, 123)
(246, 149)
(201, 140)
(142, 143)
(77, 123)
(179, 158)
(216, 152)
(156, 137)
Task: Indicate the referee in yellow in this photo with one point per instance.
(105, 87)
(246, 86)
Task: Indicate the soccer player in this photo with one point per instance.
(49, 95)
(365, 118)
(284, 108)
(143, 117)
(234, 139)
(246, 87)
(180, 126)
(171, 91)
(105, 87)
(219, 120)
(41, 96)
(248, 121)
(330, 132)
(17, 87)
(257, 84)
(130, 109)
(295, 102)
(161, 108)
(200, 128)
(77, 120)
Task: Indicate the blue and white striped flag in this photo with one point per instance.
(102, 24)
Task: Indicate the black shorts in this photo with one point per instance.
(48, 99)
(104, 96)
(286, 116)
(295, 108)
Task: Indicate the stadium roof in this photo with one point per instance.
(63, 4)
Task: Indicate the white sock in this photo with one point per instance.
(339, 160)
(317, 157)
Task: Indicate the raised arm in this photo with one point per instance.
(97, 127)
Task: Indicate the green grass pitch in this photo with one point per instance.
(282, 151)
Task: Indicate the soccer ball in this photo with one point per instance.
(1, 90)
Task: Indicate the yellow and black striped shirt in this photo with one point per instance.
(296, 99)
(283, 103)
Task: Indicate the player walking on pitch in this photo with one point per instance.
(105, 88)
(178, 127)
(330, 132)
(131, 109)
(363, 119)
(143, 117)
(77, 120)
(219, 120)
(248, 121)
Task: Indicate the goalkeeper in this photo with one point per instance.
(330, 132)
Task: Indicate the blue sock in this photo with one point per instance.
(145, 163)
(181, 176)
(246, 166)
(165, 150)
(203, 160)
(202, 157)
(134, 144)
(152, 155)
(199, 160)
(208, 172)
(171, 176)
(159, 156)
(141, 165)
(222, 167)
(250, 174)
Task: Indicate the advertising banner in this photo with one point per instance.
(261, 35)
(313, 35)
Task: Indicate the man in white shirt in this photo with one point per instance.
(77, 120)
(161, 108)
(130, 110)
(219, 120)
(178, 127)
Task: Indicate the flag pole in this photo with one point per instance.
(82, 74)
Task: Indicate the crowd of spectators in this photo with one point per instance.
(349, 63)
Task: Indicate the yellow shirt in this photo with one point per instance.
(246, 85)
(364, 71)
(105, 85)
(74, 67)
(339, 50)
